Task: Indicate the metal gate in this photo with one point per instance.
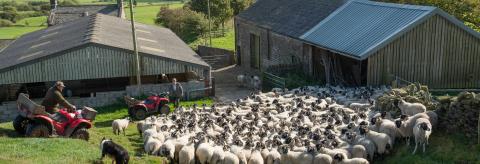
(272, 81)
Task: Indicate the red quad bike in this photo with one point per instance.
(33, 121)
(156, 103)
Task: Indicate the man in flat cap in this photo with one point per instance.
(54, 97)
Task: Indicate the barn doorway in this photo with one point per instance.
(254, 51)
(338, 69)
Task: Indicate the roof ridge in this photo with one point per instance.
(92, 29)
(396, 5)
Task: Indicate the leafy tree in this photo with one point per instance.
(9, 13)
(466, 10)
(220, 10)
(187, 24)
(240, 5)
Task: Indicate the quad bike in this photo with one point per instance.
(33, 121)
(157, 103)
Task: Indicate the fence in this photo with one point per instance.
(271, 81)
(216, 57)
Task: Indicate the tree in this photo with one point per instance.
(187, 24)
(465, 10)
(240, 5)
(220, 10)
(9, 13)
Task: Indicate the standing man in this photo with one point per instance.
(54, 97)
(176, 92)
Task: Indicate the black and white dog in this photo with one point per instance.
(114, 151)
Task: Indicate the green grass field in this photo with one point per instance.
(147, 13)
(21, 28)
(225, 42)
(443, 148)
(16, 149)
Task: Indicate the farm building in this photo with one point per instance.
(61, 13)
(358, 42)
(95, 54)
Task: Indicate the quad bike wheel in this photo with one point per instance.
(37, 130)
(140, 114)
(82, 134)
(165, 109)
(20, 124)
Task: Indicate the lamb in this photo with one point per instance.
(273, 157)
(187, 153)
(386, 126)
(410, 108)
(342, 160)
(256, 157)
(168, 149)
(405, 125)
(322, 159)
(381, 140)
(230, 158)
(291, 157)
(241, 79)
(120, 125)
(357, 151)
(421, 131)
(204, 152)
(152, 145)
(218, 156)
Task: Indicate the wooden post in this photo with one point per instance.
(135, 50)
(478, 132)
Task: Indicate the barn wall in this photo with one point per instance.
(436, 53)
(280, 48)
(93, 62)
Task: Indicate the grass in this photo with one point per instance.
(20, 28)
(16, 149)
(14, 32)
(147, 13)
(443, 148)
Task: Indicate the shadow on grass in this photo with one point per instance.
(103, 124)
(138, 144)
(6, 132)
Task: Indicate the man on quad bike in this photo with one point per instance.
(54, 97)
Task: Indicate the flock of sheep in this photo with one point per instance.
(307, 125)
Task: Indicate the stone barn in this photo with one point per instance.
(95, 54)
(64, 13)
(365, 43)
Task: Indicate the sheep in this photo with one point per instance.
(120, 125)
(256, 157)
(230, 158)
(273, 157)
(367, 143)
(140, 125)
(152, 145)
(332, 152)
(357, 151)
(405, 125)
(322, 159)
(291, 157)
(410, 108)
(204, 151)
(168, 149)
(187, 153)
(342, 160)
(385, 126)
(381, 140)
(241, 79)
(238, 151)
(421, 131)
(218, 156)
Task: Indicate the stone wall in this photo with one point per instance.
(283, 49)
(192, 89)
(216, 57)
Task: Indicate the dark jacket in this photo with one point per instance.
(53, 98)
(178, 92)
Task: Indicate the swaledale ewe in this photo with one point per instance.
(306, 125)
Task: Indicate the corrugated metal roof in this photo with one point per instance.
(98, 29)
(289, 17)
(359, 27)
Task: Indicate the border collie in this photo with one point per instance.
(114, 151)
